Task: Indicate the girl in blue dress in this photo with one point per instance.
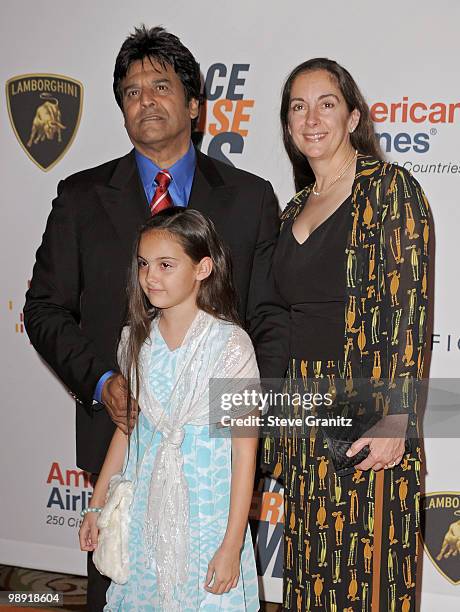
(189, 545)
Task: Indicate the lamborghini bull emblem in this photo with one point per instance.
(45, 111)
(440, 527)
(47, 122)
(451, 542)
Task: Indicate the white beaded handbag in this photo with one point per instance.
(111, 556)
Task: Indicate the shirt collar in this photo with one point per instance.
(181, 171)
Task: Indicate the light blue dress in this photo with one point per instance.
(207, 467)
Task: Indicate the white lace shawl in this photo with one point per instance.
(211, 349)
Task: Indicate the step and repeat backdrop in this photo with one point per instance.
(58, 116)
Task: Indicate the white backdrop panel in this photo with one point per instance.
(394, 50)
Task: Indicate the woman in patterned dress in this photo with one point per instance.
(189, 546)
(351, 268)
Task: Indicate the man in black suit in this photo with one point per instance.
(76, 303)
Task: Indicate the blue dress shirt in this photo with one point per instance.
(182, 173)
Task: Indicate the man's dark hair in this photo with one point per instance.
(160, 46)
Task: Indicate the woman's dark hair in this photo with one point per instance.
(363, 137)
(216, 295)
(160, 46)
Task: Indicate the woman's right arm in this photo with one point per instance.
(112, 465)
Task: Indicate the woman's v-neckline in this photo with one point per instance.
(318, 226)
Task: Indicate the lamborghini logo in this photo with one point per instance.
(45, 111)
(440, 523)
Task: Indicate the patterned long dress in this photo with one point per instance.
(357, 311)
(207, 466)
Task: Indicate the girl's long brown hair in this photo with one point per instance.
(363, 138)
(216, 295)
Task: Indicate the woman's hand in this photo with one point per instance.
(89, 531)
(385, 452)
(223, 570)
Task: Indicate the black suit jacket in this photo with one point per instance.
(76, 303)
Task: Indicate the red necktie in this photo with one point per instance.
(161, 198)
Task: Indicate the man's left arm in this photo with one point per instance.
(267, 316)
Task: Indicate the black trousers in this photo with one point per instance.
(97, 587)
(97, 583)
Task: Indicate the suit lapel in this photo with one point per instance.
(124, 200)
(209, 192)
